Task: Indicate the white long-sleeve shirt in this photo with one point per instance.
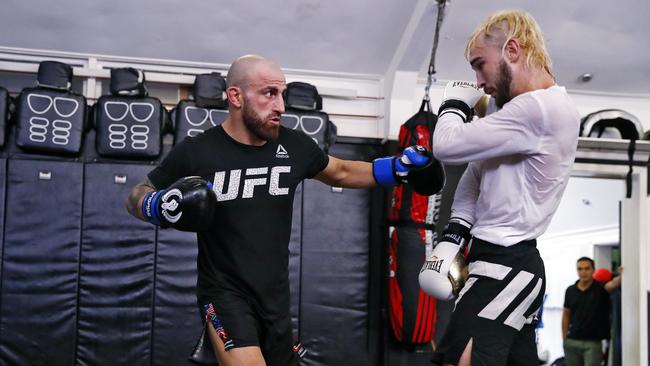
(520, 159)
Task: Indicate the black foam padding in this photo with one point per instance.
(177, 323)
(128, 81)
(191, 120)
(314, 123)
(40, 266)
(116, 271)
(54, 74)
(335, 255)
(208, 91)
(304, 96)
(3, 177)
(295, 261)
(4, 115)
(128, 127)
(50, 121)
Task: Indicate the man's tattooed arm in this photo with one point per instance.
(135, 198)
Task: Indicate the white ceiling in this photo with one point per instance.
(610, 40)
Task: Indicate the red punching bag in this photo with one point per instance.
(413, 219)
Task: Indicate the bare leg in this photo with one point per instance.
(240, 356)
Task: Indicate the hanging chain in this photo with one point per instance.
(432, 68)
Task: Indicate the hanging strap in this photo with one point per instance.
(628, 179)
(432, 62)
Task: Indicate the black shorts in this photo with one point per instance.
(497, 308)
(238, 324)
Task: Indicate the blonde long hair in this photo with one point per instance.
(517, 24)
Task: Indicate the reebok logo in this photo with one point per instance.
(281, 152)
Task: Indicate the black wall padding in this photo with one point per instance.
(4, 114)
(315, 124)
(177, 324)
(129, 127)
(190, 120)
(295, 261)
(453, 173)
(334, 296)
(116, 271)
(40, 263)
(3, 175)
(50, 121)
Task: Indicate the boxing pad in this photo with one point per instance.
(209, 91)
(54, 75)
(303, 96)
(128, 81)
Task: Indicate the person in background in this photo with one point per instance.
(586, 316)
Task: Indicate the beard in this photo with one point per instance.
(503, 85)
(257, 125)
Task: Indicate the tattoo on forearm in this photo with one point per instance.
(136, 195)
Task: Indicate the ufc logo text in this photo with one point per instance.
(253, 177)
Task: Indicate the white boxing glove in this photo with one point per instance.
(444, 273)
(460, 97)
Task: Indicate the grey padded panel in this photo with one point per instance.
(295, 260)
(116, 271)
(335, 265)
(4, 109)
(177, 323)
(40, 262)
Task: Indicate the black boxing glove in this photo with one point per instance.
(429, 179)
(187, 205)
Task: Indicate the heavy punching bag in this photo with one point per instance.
(413, 220)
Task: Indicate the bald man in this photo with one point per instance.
(252, 165)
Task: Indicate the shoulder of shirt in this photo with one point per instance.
(533, 103)
(600, 284)
(293, 134)
(574, 286)
(207, 134)
(288, 131)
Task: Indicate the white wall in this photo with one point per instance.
(586, 217)
(638, 105)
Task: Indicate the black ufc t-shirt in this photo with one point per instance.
(589, 318)
(247, 251)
